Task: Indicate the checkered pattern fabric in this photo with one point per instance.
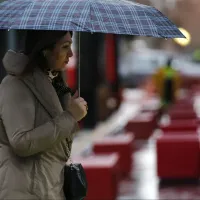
(105, 16)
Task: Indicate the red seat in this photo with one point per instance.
(122, 144)
(180, 125)
(102, 176)
(180, 132)
(142, 125)
(182, 114)
(178, 156)
(177, 107)
(187, 100)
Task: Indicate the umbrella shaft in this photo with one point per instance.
(79, 63)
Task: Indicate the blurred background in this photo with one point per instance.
(155, 143)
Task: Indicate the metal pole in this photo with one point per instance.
(79, 63)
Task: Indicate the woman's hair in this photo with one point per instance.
(36, 42)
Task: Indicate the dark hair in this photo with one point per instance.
(36, 41)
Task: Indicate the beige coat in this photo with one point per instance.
(35, 139)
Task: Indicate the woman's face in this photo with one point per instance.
(58, 58)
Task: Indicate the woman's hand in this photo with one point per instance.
(77, 107)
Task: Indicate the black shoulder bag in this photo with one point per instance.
(75, 183)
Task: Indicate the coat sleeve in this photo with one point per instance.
(18, 115)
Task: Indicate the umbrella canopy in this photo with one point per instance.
(104, 16)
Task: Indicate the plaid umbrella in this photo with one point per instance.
(105, 16)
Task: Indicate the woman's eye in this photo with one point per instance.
(66, 46)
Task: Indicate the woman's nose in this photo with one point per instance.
(70, 53)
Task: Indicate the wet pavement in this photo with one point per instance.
(143, 183)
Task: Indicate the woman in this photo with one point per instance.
(36, 129)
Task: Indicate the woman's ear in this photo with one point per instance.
(46, 53)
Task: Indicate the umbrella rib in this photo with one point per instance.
(152, 22)
(158, 28)
(91, 20)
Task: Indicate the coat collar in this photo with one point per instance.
(38, 82)
(44, 92)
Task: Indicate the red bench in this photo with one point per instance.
(180, 125)
(102, 176)
(142, 125)
(177, 107)
(180, 132)
(178, 156)
(121, 144)
(182, 114)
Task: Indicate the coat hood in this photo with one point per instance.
(14, 62)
